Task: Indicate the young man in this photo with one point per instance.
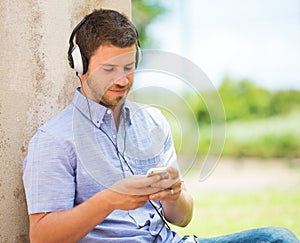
(85, 172)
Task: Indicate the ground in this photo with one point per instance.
(246, 175)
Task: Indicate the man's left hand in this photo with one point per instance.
(170, 186)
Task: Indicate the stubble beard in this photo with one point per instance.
(101, 95)
(111, 103)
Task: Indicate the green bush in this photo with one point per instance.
(243, 100)
(284, 102)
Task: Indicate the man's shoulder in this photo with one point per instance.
(61, 123)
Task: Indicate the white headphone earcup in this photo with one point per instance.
(138, 56)
(77, 59)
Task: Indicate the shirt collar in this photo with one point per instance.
(95, 111)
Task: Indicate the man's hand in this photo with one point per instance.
(176, 201)
(170, 186)
(133, 191)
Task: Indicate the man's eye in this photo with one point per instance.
(108, 69)
(129, 68)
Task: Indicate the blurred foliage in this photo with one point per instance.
(244, 100)
(260, 123)
(143, 13)
(283, 102)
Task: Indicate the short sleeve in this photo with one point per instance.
(49, 175)
(170, 156)
(169, 153)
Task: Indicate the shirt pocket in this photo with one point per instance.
(141, 166)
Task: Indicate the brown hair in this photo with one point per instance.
(105, 27)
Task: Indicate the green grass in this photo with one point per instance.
(224, 213)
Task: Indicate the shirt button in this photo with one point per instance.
(114, 136)
(126, 168)
(108, 112)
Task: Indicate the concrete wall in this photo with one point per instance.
(36, 82)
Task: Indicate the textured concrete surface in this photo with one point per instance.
(36, 82)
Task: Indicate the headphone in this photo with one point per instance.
(79, 62)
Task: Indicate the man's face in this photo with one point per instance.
(110, 75)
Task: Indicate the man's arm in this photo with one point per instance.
(70, 225)
(179, 211)
(73, 224)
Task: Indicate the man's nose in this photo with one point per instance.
(122, 80)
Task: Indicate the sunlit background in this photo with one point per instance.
(250, 50)
(254, 39)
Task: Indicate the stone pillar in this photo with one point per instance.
(36, 82)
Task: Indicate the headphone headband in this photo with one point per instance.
(77, 27)
(79, 62)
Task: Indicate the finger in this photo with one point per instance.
(172, 191)
(136, 185)
(142, 198)
(173, 172)
(169, 194)
(143, 191)
(167, 183)
(147, 190)
(177, 184)
(144, 181)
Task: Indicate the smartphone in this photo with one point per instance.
(157, 171)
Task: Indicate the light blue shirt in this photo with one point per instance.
(81, 152)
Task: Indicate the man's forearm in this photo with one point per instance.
(179, 212)
(70, 225)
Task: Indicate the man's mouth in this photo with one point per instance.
(118, 91)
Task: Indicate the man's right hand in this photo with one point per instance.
(132, 192)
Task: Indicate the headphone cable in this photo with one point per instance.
(122, 156)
